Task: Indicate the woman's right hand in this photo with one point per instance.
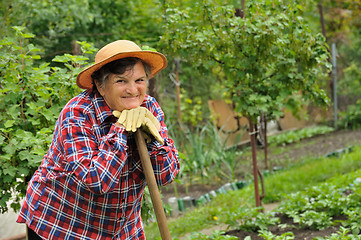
(135, 118)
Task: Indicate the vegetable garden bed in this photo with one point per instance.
(320, 167)
(328, 211)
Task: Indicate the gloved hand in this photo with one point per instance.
(135, 118)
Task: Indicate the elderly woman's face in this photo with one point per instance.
(125, 91)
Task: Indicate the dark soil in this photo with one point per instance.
(298, 233)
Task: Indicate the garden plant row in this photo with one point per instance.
(182, 204)
(336, 203)
(234, 209)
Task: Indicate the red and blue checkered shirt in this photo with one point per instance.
(90, 183)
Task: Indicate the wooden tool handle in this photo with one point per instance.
(152, 186)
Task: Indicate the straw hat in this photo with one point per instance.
(117, 50)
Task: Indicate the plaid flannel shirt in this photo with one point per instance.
(90, 183)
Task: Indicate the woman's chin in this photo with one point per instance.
(132, 105)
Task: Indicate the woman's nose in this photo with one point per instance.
(131, 88)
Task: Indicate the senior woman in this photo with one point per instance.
(90, 183)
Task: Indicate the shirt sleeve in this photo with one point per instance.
(97, 164)
(165, 159)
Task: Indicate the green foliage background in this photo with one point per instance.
(38, 65)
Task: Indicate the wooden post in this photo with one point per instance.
(152, 185)
(264, 128)
(76, 49)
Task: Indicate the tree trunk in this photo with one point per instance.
(264, 128)
(254, 161)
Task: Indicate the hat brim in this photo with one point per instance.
(155, 60)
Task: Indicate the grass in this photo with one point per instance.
(310, 172)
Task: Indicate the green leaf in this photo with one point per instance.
(62, 59)
(28, 35)
(18, 28)
(11, 171)
(148, 48)
(23, 171)
(35, 57)
(8, 179)
(9, 123)
(24, 155)
(4, 198)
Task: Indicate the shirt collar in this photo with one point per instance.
(102, 110)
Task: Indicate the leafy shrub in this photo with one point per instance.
(32, 94)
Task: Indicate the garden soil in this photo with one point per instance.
(312, 147)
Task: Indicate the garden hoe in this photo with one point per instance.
(152, 186)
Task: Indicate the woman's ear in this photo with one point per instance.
(99, 88)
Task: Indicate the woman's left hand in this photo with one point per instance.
(135, 118)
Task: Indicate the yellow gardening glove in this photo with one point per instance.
(135, 118)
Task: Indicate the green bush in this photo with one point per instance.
(32, 95)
